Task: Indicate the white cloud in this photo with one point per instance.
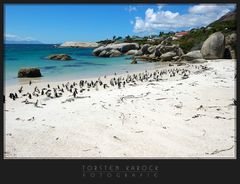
(131, 8)
(12, 37)
(197, 16)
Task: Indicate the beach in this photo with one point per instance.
(170, 118)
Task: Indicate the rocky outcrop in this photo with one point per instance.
(29, 72)
(167, 56)
(192, 55)
(230, 46)
(121, 47)
(115, 53)
(144, 49)
(131, 52)
(79, 44)
(62, 57)
(152, 49)
(214, 46)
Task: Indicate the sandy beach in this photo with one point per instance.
(171, 118)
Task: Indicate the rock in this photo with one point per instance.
(79, 44)
(144, 49)
(192, 55)
(233, 54)
(29, 72)
(231, 40)
(139, 53)
(175, 58)
(230, 48)
(167, 56)
(131, 52)
(198, 61)
(104, 53)
(157, 53)
(179, 52)
(134, 61)
(63, 57)
(115, 53)
(122, 47)
(167, 41)
(214, 46)
(152, 49)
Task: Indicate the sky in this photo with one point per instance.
(57, 23)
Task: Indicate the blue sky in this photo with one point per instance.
(56, 23)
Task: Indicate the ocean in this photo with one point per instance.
(84, 65)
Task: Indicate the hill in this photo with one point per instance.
(194, 40)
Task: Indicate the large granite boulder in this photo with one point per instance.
(214, 46)
(231, 40)
(167, 56)
(62, 57)
(122, 47)
(131, 52)
(144, 49)
(104, 53)
(230, 46)
(139, 53)
(114, 53)
(29, 72)
(152, 49)
(192, 55)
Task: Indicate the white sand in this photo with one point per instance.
(147, 126)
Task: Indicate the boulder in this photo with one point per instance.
(29, 72)
(104, 53)
(115, 53)
(231, 40)
(139, 53)
(214, 46)
(157, 53)
(62, 57)
(122, 47)
(179, 51)
(152, 49)
(144, 49)
(131, 52)
(167, 56)
(175, 58)
(192, 55)
(167, 41)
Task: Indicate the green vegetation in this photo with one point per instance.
(198, 36)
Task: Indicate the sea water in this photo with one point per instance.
(84, 65)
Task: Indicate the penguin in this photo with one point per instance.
(30, 82)
(15, 95)
(48, 86)
(36, 104)
(20, 90)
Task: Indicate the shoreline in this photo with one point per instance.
(25, 81)
(173, 117)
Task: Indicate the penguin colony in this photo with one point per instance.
(76, 89)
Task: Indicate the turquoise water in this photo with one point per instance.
(84, 64)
